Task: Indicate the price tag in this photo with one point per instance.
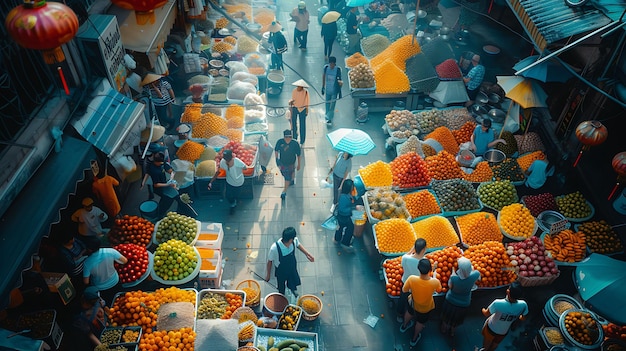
(558, 226)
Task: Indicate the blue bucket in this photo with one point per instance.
(148, 209)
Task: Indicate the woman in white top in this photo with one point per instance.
(409, 266)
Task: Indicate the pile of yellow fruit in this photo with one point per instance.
(230, 40)
(235, 122)
(436, 230)
(209, 125)
(221, 22)
(190, 151)
(421, 203)
(390, 79)
(516, 221)
(526, 160)
(376, 174)
(394, 236)
(192, 113)
(476, 228)
(222, 47)
(234, 134)
(398, 52)
(233, 111)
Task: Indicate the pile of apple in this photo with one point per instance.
(244, 152)
(529, 257)
(137, 264)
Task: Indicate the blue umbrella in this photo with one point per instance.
(547, 71)
(599, 280)
(356, 3)
(352, 141)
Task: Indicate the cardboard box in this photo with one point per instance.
(60, 283)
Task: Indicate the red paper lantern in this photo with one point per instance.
(590, 133)
(144, 9)
(619, 165)
(43, 26)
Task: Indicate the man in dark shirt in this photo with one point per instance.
(287, 151)
(160, 171)
(352, 24)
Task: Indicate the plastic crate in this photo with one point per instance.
(43, 326)
(210, 280)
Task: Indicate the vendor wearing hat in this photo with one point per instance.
(89, 219)
(162, 95)
(278, 45)
(300, 15)
(90, 322)
(299, 105)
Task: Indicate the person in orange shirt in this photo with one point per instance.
(421, 300)
(103, 189)
(299, 105)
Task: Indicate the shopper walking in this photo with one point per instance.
(459, 295)
(278, 46)
(329, 34)
(299, 105)
(421, 300)
(331, 86)
(300, 15)
(474, 79)
(282, 257)
(410, 260)
(234, 168)
(162, 95)
(344, 233)
(287, 152)
(90, 219)
(501, 313)
(341, 172)
(352, 24)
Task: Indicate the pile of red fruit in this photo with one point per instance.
(539, 203)
(137, 264)
(448, 69)
(131, 230)
(530, 258)
(244, 152)
(409, 171)
(614, 331)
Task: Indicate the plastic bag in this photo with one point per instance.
(331, 223)
(288, 114)
(265, 151)
(238, 90)
(236, 66)
(326, 183)
(254, 116)
(254, 102)
(245, 77)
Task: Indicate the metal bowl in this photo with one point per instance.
(421, 14)
(445, 37)
(494, 98)
(547, 218)
(444, 30)
(494, 156)
(479, 109)
(482, 98)
(497, 115)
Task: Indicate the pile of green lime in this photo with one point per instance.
(497, 194)
(573, 205)
(174, 260)
(177, 226)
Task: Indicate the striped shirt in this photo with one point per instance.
(162, 99)
(475, 76)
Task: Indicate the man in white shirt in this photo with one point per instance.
(233, 167)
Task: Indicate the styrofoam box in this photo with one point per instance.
(211, 279)
(210, 229)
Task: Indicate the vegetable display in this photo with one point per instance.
(137, 264)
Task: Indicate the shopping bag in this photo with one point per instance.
(326, 183)
(331, 223)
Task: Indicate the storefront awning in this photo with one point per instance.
(109, 119)
(29, 217)
(548, 21)
(147, 38)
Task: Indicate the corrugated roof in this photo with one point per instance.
(554, 20)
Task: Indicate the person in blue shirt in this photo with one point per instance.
(474, 78)
(459, 295)
(331, 86)
(483, 138)
(537, 174)
(343, 211)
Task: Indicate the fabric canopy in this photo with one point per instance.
(29, 217)
(149, 38)
(109, 119)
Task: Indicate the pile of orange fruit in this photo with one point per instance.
(436, 230)
(583, 327)
(445, 137)
(234, 134)
(446, 263)
(421, 203)
(398, 52)
(234, 111)
(173, 340)
(376, 174)
(463, 134)
(209, 125)
(139, 308)
(190, 151)
(516, 221)
(482, 173)
(234, 302)
(390, 79)
(222, 47)
(355, 59)
(493, 263)
(394, 236)
(221, 22)
(192, 113)
(230, 40)
(566, 245)
(526, 160)
(393, 272)
(443, 166)
(476, 228)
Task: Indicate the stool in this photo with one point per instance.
(148, 210)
